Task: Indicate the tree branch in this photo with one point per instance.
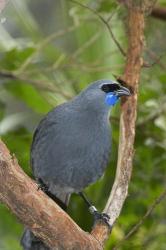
(128, 112)
(159, 12)
(43, 217)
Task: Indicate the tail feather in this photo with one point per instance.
(30, 242)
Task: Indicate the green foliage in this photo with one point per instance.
(29, 95)
(106, 6)
(14, 58)
(46, 68)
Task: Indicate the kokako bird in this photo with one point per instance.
(71, 146)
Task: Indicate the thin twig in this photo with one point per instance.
(75, 54)
(86, 45)
(86, 68)
(40, 84)
(141, 221)
(157, 59)
(44, 43)
(103, 21)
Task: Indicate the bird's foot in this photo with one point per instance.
(96, 214)
(99, 216)
(102, 216)
(42, 186)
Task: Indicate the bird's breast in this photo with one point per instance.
(71, 152)
(91, 154)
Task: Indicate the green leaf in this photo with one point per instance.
(2, 107)
(14, 58)
(107, 6)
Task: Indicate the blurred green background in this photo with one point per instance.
(50, 50)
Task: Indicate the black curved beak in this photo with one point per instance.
(123, 91)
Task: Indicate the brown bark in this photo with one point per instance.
(128, 111)
(41, 214)
(38, 212)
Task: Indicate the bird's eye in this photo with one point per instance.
(110, 87)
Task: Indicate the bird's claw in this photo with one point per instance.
(100, 216)
(42, 186)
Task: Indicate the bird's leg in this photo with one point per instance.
(88, 203)
(93, 210)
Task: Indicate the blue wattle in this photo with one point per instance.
(111, 99)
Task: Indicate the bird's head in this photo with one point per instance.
(105, 93)
(113, 91)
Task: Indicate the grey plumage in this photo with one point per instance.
(31, 242)
(71, 145)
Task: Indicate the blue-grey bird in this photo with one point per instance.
(71, 145)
